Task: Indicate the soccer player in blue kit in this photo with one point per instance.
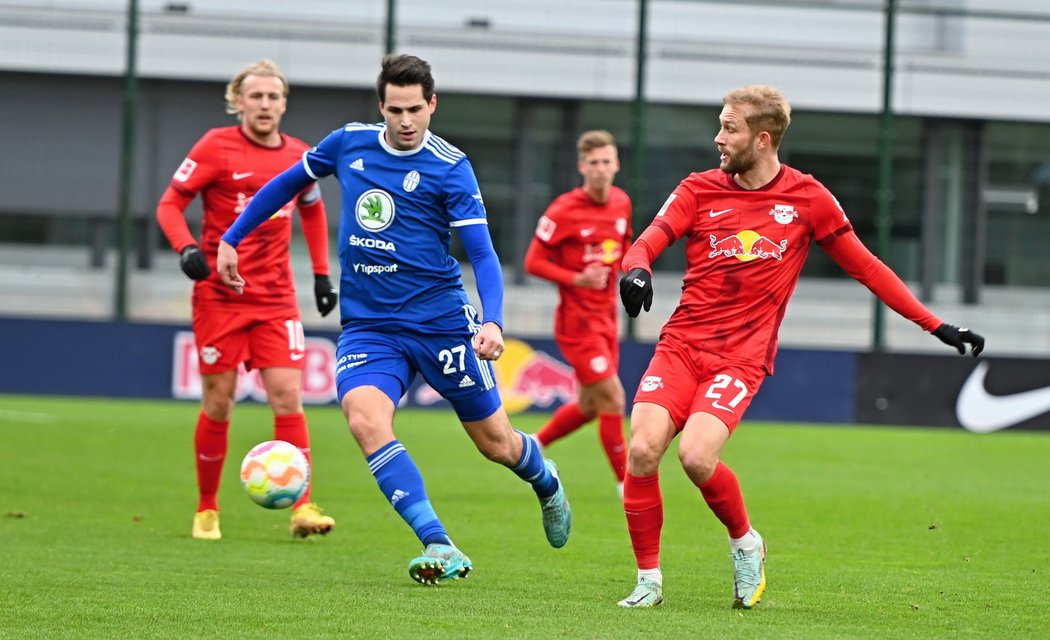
(403, 307)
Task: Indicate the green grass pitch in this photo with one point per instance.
(872, 533)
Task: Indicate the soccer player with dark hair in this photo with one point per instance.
(749, 225)
(403, 306)
(263, 328)
(578, 245)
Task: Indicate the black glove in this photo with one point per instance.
(193, 262)
(636, 289)
(958, 337)
(325, 293)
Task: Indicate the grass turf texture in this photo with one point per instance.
(873, 533)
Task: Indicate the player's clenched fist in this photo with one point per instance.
(636, 291)
(193, 262)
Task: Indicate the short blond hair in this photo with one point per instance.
(594, 139)
(263, 68)
(769, 110)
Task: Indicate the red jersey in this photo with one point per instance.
(575, 231)
(227, 168)
(744, 255)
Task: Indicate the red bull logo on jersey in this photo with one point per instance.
(747, 245)
(605, 252)
(283, 212)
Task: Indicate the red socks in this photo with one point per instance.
(292, 428)
(210, 444)
(566, 419)
(610, 431)
(723, 495)
(644, 507)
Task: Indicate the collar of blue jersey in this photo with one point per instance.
(410, 152)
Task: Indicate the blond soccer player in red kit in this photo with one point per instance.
(748, 226)
(261, 328)
(578, 245)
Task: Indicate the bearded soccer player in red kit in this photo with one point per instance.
(579, 242)
(261, 328)
(749, 225)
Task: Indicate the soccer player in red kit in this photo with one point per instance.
(579, 242)
(749, 225)
(261, 328)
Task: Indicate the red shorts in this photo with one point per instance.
(228, 335)
(685, 381)
(594, 358)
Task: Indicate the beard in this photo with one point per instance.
(740, 162)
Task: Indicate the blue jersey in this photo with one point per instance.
(399, 208)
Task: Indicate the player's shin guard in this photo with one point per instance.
(722, 493)
(566, 419)
(644, 506)
(610, 431)
(402, 484)
(531, 468)
(210, 443)
(292, 428)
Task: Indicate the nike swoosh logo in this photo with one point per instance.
(587, 232)
(298, 356)
(981, 412)
(204, 458)
(715, 214)
(242, 176)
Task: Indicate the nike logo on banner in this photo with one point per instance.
(242, 176)
(981, 412)
(715, 214)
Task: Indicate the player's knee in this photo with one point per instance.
(217, 407)
(285, 400)
(642, 457)
(612, 404)
(698, 463)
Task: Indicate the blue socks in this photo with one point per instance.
(400, 481)
(531, 468)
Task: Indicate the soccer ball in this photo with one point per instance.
(275, 474)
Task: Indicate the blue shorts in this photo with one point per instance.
(390, 360)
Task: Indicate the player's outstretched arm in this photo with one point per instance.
(850, 253)
(268, 201)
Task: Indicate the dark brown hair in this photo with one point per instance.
(403, 71)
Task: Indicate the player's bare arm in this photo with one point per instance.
(226, 264)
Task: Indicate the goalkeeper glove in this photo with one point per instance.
(193, 262)
(959, 337)
(636, 290)
(325, 294)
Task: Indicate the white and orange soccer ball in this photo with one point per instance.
(275, 474)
